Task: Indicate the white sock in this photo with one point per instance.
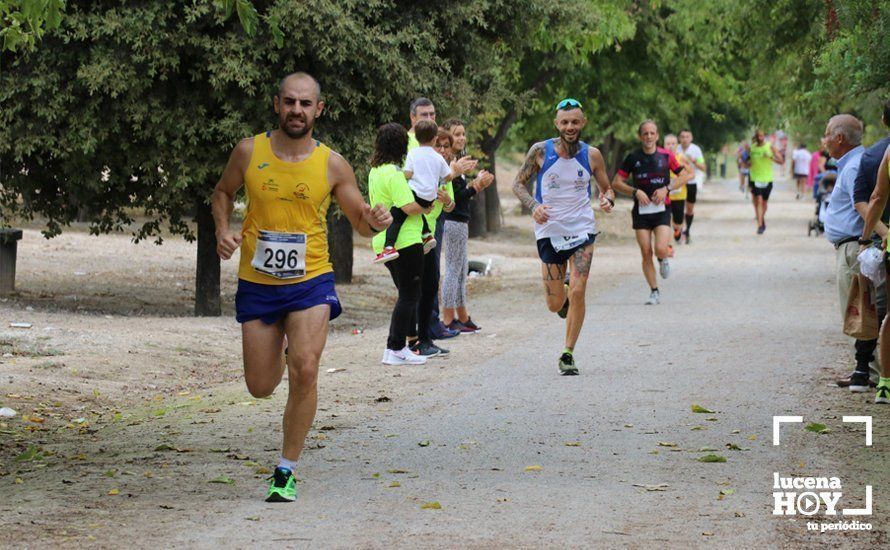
(287, 464)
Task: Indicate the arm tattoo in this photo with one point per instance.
(526, 174)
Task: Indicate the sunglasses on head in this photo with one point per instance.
(568, 103)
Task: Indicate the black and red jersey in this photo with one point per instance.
(650, 171)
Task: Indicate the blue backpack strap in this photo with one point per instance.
(550, 158)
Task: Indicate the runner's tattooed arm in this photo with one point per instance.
(527, 173)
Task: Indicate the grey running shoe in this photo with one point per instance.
(664, 268)
(654, 298)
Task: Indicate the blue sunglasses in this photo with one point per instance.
(568, 103)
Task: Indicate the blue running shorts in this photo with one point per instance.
(271, 303)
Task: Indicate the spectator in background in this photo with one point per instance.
(801, 167)
(843, 226)
(815, 168)
(743, 162)
(876, 207)
(454, 273)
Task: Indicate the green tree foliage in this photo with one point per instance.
(25, 21)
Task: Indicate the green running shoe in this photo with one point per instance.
(883, 395)
(567, 365)
(283, 486)
(565, 307)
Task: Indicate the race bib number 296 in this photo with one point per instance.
(281, 255)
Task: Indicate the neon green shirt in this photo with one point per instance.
(762, 162)
(387, 186)
(412, 141)
(434, 214)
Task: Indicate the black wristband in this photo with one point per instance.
(865, 241)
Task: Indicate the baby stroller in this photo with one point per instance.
(824, 186)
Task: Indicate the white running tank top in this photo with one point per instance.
(564, 185)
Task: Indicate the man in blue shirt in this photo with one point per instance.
(843, 226)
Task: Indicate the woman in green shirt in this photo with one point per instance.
(387, 186)
(760, 179)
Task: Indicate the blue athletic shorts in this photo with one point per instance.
(550, 255)
(271, 303)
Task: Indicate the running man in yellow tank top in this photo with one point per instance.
(285, 278)
(760, 179)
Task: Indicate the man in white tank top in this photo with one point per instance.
(561, 170)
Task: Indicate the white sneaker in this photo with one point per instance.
(654, 298)
(403, 356)
(664, 268)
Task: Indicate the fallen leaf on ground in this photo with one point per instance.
(382, 399)
(697, 428)
(222, 479)
(114, 492)
(727, 492)
(424, 443)
(572, 444)
(253, 518)
(752, 438)
(431, 506)
(734, 447)
(395, 484)
(666, 444)
(706, 450)
(711, 458)
(534, 468)
(659, 487)
(628, 425)
(262, 470)
(217, 449)
(700, 409)
(331, 371)
(31, 453)
(817, 428)
(397, 471)
(209, 411)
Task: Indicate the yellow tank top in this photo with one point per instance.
(291, 197)
(678, 194)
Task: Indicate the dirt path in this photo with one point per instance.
(135, 416)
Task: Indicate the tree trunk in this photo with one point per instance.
(493, 216)
(340, 246)
(478, 227)
(207, 301)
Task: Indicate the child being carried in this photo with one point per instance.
(425, 169)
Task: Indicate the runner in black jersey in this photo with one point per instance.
(650, 169)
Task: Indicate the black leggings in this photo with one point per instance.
(406, 272)
(429, 289)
